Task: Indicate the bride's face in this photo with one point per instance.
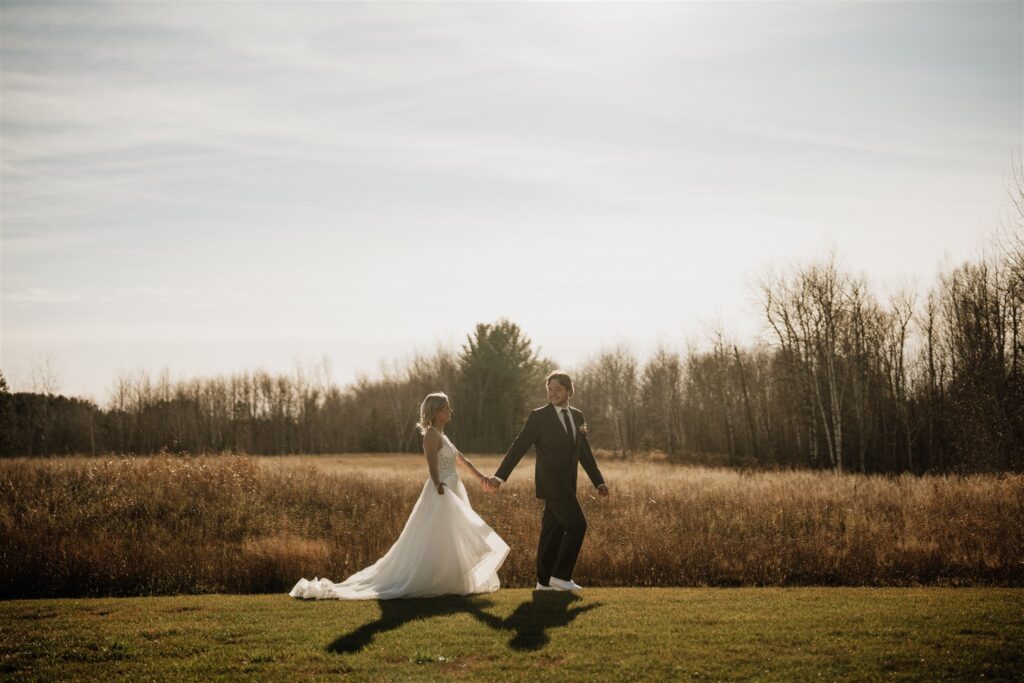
(444, 416)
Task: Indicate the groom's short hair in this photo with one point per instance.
(562, 378)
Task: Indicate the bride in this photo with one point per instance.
(444, 549)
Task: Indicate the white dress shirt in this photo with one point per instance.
(561, 419)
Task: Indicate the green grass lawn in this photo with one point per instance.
(605, 634)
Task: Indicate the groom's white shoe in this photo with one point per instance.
(563, 585)
(542, 587)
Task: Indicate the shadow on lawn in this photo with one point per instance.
(528, 622)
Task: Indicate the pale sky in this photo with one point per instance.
(214, 187)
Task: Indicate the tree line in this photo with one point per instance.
(493, 380)
(848, 381)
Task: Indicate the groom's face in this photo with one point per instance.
(557, 394)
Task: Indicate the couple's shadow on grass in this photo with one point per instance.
(528, 623)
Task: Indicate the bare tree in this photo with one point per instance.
(809, 313)
(608, 385)
(45, 374)
(661, 390)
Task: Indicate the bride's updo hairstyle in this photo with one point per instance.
(429, 409)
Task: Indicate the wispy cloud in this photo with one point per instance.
(41, 296)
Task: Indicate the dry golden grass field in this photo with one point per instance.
(235, 524)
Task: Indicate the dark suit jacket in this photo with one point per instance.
(557, 457)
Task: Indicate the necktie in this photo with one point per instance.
(568, 425)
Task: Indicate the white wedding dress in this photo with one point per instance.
(444, 549)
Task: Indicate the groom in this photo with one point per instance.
(555, 432)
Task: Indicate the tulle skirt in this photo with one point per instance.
(444, 549)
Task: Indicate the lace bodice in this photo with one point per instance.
(446, 461)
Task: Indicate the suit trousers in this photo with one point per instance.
(561, 537)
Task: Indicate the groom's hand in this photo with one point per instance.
(602, 490)
(492, 484)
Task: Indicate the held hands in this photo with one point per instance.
(492, 484)
(440, 489)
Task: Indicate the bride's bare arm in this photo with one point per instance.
(431, 445)
(471, 466)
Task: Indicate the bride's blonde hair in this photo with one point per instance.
(429, 409)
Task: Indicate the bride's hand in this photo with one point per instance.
(440, 489)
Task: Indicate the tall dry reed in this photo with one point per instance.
(136, 526)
